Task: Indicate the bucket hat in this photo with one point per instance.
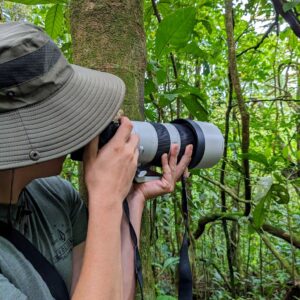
(48, 107)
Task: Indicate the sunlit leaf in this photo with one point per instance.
(54, 20)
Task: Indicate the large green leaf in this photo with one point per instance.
(54, 20)
(34, 2)
(175, 30)
(255, 156)
(195, 107)
(263, 195)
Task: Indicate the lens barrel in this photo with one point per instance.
(157, 138)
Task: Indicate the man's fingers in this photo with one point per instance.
(173, 157)
(165, 165)
(134, 141)
(91, 149)
(185, 160)
(124, 131)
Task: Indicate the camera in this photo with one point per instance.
(157, 138)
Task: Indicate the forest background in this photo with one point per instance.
(236, 65)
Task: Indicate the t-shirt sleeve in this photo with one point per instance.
(78, 215)
(8, 291)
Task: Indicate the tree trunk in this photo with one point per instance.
(108, 35)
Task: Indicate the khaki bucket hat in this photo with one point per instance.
(48, 107)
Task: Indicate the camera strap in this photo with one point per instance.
(185, 289)
(137, 258)
(47, 271)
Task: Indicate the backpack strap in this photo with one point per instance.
(46, 270)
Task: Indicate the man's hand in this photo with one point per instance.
(136, 200)
(171, 174)
(110, 170)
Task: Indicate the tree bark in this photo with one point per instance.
(289, 16)
(280, 233)
(108, 35)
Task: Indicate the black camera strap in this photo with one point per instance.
(137, 257)
(49, 274)
(185, 291)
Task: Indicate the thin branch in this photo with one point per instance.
(225, 189)
(260, 42)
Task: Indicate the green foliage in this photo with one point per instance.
(54, 20)
(193, 83)
(175, 30)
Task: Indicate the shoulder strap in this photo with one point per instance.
(47, 271)
(137, 257)
(185, 288)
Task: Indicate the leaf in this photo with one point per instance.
(175, 30)
(35, 2)
(207, 25)
(54, 20)
(149, 86)
(195, 107)
(280, 193)
(290, 5)
(161, 76)
(262, 187)
(255, 156)
(260, 211)
(193, 49)
(237, 166)
(263, 195)
(171, 261)
(166, 99)
(251, 229)
(285, 152)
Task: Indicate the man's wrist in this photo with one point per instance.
(106, 203)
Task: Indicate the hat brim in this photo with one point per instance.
(62, 123)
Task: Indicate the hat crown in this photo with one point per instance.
(19, 39)
(31, 66)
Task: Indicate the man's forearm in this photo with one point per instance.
(136, 207)
(101, 274)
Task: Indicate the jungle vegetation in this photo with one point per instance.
(235, 64)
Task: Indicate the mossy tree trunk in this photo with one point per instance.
(108, 35)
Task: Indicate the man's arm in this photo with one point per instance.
(77, 260)
(108, 173)
(136, 201)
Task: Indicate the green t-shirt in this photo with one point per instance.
(52, 216)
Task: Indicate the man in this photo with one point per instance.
(48, 109)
